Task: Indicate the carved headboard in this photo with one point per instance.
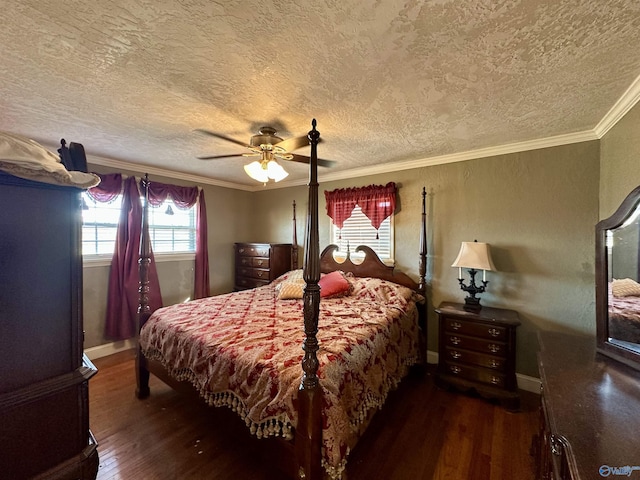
(371, 266)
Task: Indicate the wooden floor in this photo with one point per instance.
(423, 432)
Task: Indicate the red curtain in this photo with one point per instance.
(122, 295)
(184, 198)
(376, 201)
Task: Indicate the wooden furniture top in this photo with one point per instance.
(592, 401)
(486, 314)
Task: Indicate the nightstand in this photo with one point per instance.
(477, 351)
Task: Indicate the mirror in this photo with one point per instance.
(618, 282)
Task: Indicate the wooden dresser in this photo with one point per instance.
(590, 412)
(476, 350)
(259, 263)
(44, 404)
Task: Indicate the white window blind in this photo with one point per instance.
(174, 233)
(357, 230)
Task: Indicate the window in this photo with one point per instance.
(357, 230)
(99, 225)
(172, 230)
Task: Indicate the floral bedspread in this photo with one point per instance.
(244, 350)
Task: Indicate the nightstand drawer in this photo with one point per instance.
(475, 329)
(475, 374)
(465, 356)
(476, 344)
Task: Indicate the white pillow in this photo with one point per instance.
(25, 158)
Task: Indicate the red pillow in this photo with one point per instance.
(334, 285)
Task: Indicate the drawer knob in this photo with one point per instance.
(494, 363)
(259, 262)
(455, 340)
(493, 348)
(495, 380)
(455, 354)
(455, 369)
(244, 261)
(241, 250)
(494, 332)
(456, 325)
(260, 274)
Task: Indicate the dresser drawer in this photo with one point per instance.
(258, 262)
(259, 273)
(465, 356)
(476, 344)
(247, 282)
(474, 374)
(475, 329)
(253, 250)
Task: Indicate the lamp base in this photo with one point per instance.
(472, 304)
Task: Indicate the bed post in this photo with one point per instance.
(422, 285)
(144, 312)
(294, 245)
(308, 432)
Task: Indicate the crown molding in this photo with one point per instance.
(163, 172)
(385, 168)
(506, 149)
(625, 103)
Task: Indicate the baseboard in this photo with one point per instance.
(110, 348)
(525, 382)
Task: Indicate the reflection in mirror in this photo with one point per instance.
(618, 282)
(624, 290)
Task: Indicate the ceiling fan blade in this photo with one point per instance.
(305, 159)
(294, 143)
(212, 157)
(223, 137)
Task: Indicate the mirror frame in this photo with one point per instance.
(603, 345)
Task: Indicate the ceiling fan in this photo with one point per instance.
(269, 147)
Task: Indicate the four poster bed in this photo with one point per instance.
(242, 349)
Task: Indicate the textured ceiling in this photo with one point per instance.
(389, 82)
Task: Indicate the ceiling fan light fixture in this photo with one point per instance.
(275, 171)
(255, 171)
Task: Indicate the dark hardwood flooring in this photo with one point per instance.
(422, 432)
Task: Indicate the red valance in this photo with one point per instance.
(108, 189)
(376, 201)
(183, 197)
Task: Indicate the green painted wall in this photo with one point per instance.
(537, 209)
(619, 162)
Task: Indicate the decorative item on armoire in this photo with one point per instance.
(474, 256)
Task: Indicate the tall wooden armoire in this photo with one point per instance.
(44, 396)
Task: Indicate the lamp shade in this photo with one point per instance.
(474, 255)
